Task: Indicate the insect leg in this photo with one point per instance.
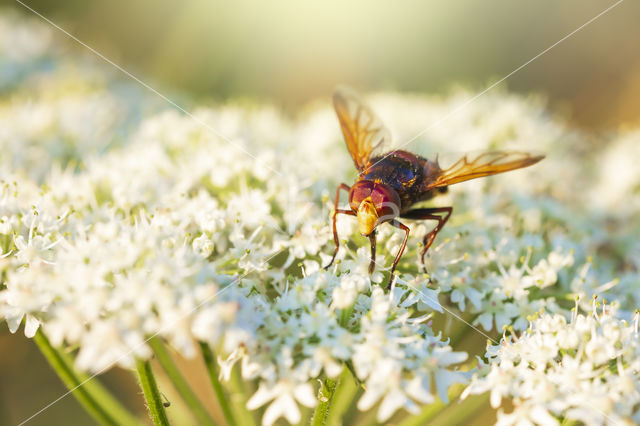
(404, 244)
(335, 214)
(372, 239)
(441, 214)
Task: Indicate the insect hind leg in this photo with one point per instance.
(440, 214)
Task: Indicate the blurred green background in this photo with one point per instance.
(289, 53)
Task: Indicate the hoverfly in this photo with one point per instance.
(391, 182)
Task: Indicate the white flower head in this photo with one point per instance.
(565, 369)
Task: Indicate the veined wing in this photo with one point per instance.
(364, 133)
(485, 164)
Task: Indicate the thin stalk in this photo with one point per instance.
(459, 412)
(93, 397)
(343, 396)
(212, 368)
(238, 393)
(323, 409)
(352, 370)
(179, 383)
(433, 409)
(151, 393)
(345, 316)
(106, 398)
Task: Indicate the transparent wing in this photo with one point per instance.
(364, 133)
(485, 164)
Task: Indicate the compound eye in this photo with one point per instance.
(386, 200)
(359, 191)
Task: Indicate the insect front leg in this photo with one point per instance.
(405, 228)
(372, 239)
(441, 214)
(336, 210)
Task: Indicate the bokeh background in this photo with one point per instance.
(294, 53)
(290, 52)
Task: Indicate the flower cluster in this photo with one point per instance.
(186, 245)
(197, 243)
(585, 370)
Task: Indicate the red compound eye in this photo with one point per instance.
(386, 200)
(359, 191)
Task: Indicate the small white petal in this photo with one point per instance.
(282, 406)
(543, 417)
(304, 394)
(333, 369)
(496, 398)
(444, 379)
(486, 320)
(14, 323)
(261, 397)
(31, 326)
(370, 397)
(420, 392)
(390, 404)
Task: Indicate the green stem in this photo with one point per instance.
(460, 413)
(181, 385)
(323, 409)
(433, 409)
(352, 370)
(343, 396)
(212, 367)
(239, 390)
(94, 398)
(151, 393)
(106, 398)
(345, 316)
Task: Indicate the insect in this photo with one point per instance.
(391, 182)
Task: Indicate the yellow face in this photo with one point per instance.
(367, 216)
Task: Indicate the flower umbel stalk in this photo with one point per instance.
(460, 412)
(181, 385)
(96, 400)
(343, 397)
(212, 368)
(432, 410)
(238, 392)
(151, 393)
(325, 400)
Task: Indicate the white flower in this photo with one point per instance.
(359, 265)
(387, 384)
(203, 245)
(323, 358)
(545, 273)
(283, 395)
(351, 285)
(427, 298)
(527, 414)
